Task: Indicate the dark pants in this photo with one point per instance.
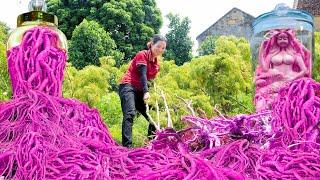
(132, 100)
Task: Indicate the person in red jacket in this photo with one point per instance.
(133, 89)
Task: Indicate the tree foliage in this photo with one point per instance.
(72, 13)
(316, 59)
(130, 22)
(179, 46)
(4, 30)
(89, 84)
(89, 42)
(223, 79)
(207, 46)
(5, 87)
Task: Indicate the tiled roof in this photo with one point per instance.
(311, 6)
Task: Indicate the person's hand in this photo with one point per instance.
(146, 96)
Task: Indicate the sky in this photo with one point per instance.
(202, 13)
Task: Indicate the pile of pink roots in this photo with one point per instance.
(46, 136)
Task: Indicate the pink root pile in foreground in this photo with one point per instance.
(45, 136)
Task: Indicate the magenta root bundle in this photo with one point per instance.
(279, 144)
(37, 63)
(45, 136)
(42, 135)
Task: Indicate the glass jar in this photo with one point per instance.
(33, 19)
(282, 48)
(36, 52)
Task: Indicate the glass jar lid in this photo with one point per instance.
(37, 12)
(281, 17)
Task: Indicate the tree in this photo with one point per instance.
(130, 22)
(179, 46)
(88, 84)
(5, 88)
(316, 59)
(207, 46)
(72, 13)
(4, 29)
(89, 42)
(223, 79)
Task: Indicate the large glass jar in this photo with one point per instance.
(36, 52)
(282, 48)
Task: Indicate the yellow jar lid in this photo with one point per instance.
(37, 16)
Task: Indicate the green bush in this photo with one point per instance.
(89, 42)
(5, 85)
(208, 46)
(316, 60)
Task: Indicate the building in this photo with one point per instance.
(312, 7)
(235, 22)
